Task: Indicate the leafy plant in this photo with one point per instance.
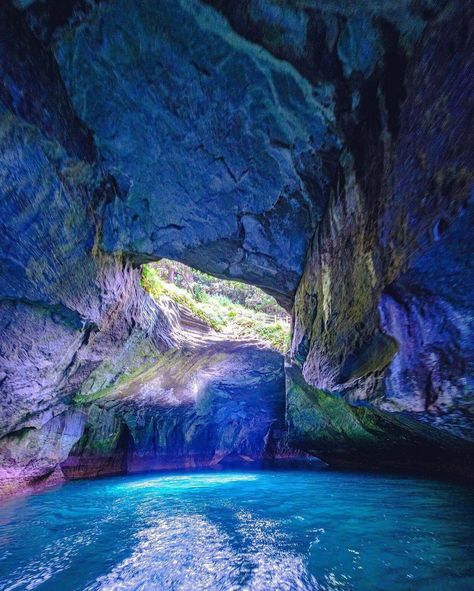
(241, 310)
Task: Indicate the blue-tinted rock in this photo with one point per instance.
(252, 140)
(205, 130)
(222, 402)
(391, 259)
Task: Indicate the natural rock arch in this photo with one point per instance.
(313, 151)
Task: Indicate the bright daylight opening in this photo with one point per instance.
(229, 307)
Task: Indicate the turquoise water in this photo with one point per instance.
(268, 530)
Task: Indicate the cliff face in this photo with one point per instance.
(320, 151)
(383, 314)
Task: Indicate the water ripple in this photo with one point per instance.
(241, 531)
(189, 552)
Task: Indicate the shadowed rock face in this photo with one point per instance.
(318, 150)
(383, 313)
(221, 403)
(351, 436)
(208, 140)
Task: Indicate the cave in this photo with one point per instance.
(214, 399)
(320, 152)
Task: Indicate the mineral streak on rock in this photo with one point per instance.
(383, 313)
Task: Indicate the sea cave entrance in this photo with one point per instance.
(201, 385)
(235, 309)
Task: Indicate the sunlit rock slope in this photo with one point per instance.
(220, 403)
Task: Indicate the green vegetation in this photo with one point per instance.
(123, 380)
(158, 287)
(241, 310)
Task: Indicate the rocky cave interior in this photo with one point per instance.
(320, 151)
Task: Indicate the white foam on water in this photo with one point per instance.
(188, 552)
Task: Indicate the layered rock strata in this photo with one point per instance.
(221, 403)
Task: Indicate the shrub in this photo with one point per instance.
(241, 310)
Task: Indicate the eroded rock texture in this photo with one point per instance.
(223, 402)
(319, 150)
(384, 310)
(207, 138)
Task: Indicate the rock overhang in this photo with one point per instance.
(283, 120)
(223, 155)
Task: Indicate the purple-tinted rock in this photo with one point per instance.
(223, 402)
(383, 314)
(322, 150)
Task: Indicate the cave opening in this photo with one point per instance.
(230, 308)
(318, 151)
(198, 381)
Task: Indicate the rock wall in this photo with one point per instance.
(65, 306)
(383, 314)
(223, 402)
(318, 150)
(208, 140)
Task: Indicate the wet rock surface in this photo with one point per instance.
(320, 151)
(352, 436)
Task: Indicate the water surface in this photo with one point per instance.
(267, 530)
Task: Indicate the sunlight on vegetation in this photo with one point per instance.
(243, 311)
